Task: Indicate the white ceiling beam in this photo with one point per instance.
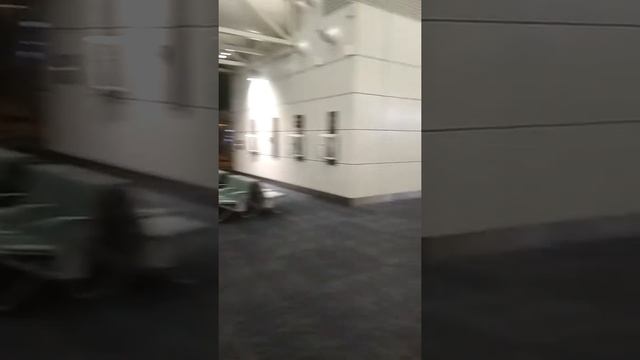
(254, 36)
(231, 63)
(240, 49)
(274, 26)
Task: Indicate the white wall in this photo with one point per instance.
(372, 80)
(530, 113)
(142, 132)
(387, 102)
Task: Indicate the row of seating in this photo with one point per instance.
(62, 219)
(241, 194)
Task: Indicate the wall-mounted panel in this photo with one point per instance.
(385, 113)
(505, 74)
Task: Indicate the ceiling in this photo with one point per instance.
(253, 29)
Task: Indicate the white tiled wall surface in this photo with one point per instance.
(375, 87)
(388, 36)
(142, 132)
(309, 174)
(350, 181)
(390, 178)
(484, 180)
(372, 76)
(143, 136)
(385, 113)
(501, 74)
(530, 119)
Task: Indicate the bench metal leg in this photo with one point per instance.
(22, 288)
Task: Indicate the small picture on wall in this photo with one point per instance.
(298, 138)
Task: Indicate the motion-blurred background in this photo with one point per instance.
(108, 155)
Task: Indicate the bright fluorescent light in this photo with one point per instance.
(255, 79)
(225, 53)
(254, 31)
(262, 106)
(222, 56)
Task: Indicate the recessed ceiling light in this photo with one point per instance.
(222, 56)
(225, 53)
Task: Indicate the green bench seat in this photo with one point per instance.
(56, 218)
(236, 194)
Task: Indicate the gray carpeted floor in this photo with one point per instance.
(315, 281)
(575, 301)
(322, 281)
